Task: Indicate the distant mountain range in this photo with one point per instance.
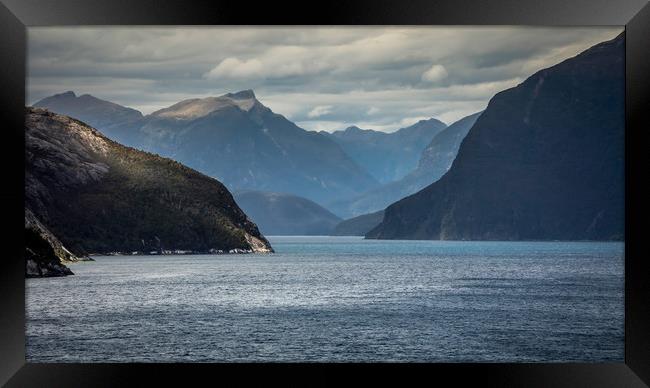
(434, 160)
(233, 138)
(239, 141)
(544, 161)
(278, 214)
(387, 156)
(87, 194)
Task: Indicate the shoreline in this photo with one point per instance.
(235, 251)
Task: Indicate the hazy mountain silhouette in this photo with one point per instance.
(434, 161)
(387, 156)
(286, 214)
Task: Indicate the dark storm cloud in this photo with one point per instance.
(322, 78)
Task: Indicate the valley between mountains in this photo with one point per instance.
(543, 161)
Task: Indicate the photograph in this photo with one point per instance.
(325, 193)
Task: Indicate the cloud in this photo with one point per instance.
(319, 111)
(235, 68)
(276, 62)
(320, 77)
(435, 73)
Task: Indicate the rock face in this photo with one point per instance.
(387, 156)
(285, 214)
(360, 225)
(97, 196)
(45, 256)
(545, 161)
(434, 161)
(239, 141)
(115, 121)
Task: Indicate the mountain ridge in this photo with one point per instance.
(387, 156)
(544, 161)
(247, 146)
(115, 120)
(434, 161)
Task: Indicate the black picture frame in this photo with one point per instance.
(16, 15)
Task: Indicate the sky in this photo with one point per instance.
(322, 78)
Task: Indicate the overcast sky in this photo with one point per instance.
(323, 78)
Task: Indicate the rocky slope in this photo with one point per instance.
(434, 161)
(387, 156)
(45, 256)
(545, 161)
(97, 196)
(286, 214)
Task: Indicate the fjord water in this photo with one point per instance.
(338, 299)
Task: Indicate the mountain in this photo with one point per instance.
(97, 196)
(434, 161)
(545, 161)
(236, 139)
(286, 214)
(387, 156)
(116, 121)
(239, 141)
(358, 226)
(437, 157)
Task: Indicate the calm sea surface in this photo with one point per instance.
(338, 299)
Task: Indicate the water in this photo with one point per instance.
(338, 299)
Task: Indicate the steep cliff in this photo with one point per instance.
(545, 161)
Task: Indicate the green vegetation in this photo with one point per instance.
(142, 203)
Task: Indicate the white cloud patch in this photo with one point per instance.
(236, 68)
(435, 74)
(275, 62)
(372, 110)
(319, 111)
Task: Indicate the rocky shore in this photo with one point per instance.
(45, 256)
